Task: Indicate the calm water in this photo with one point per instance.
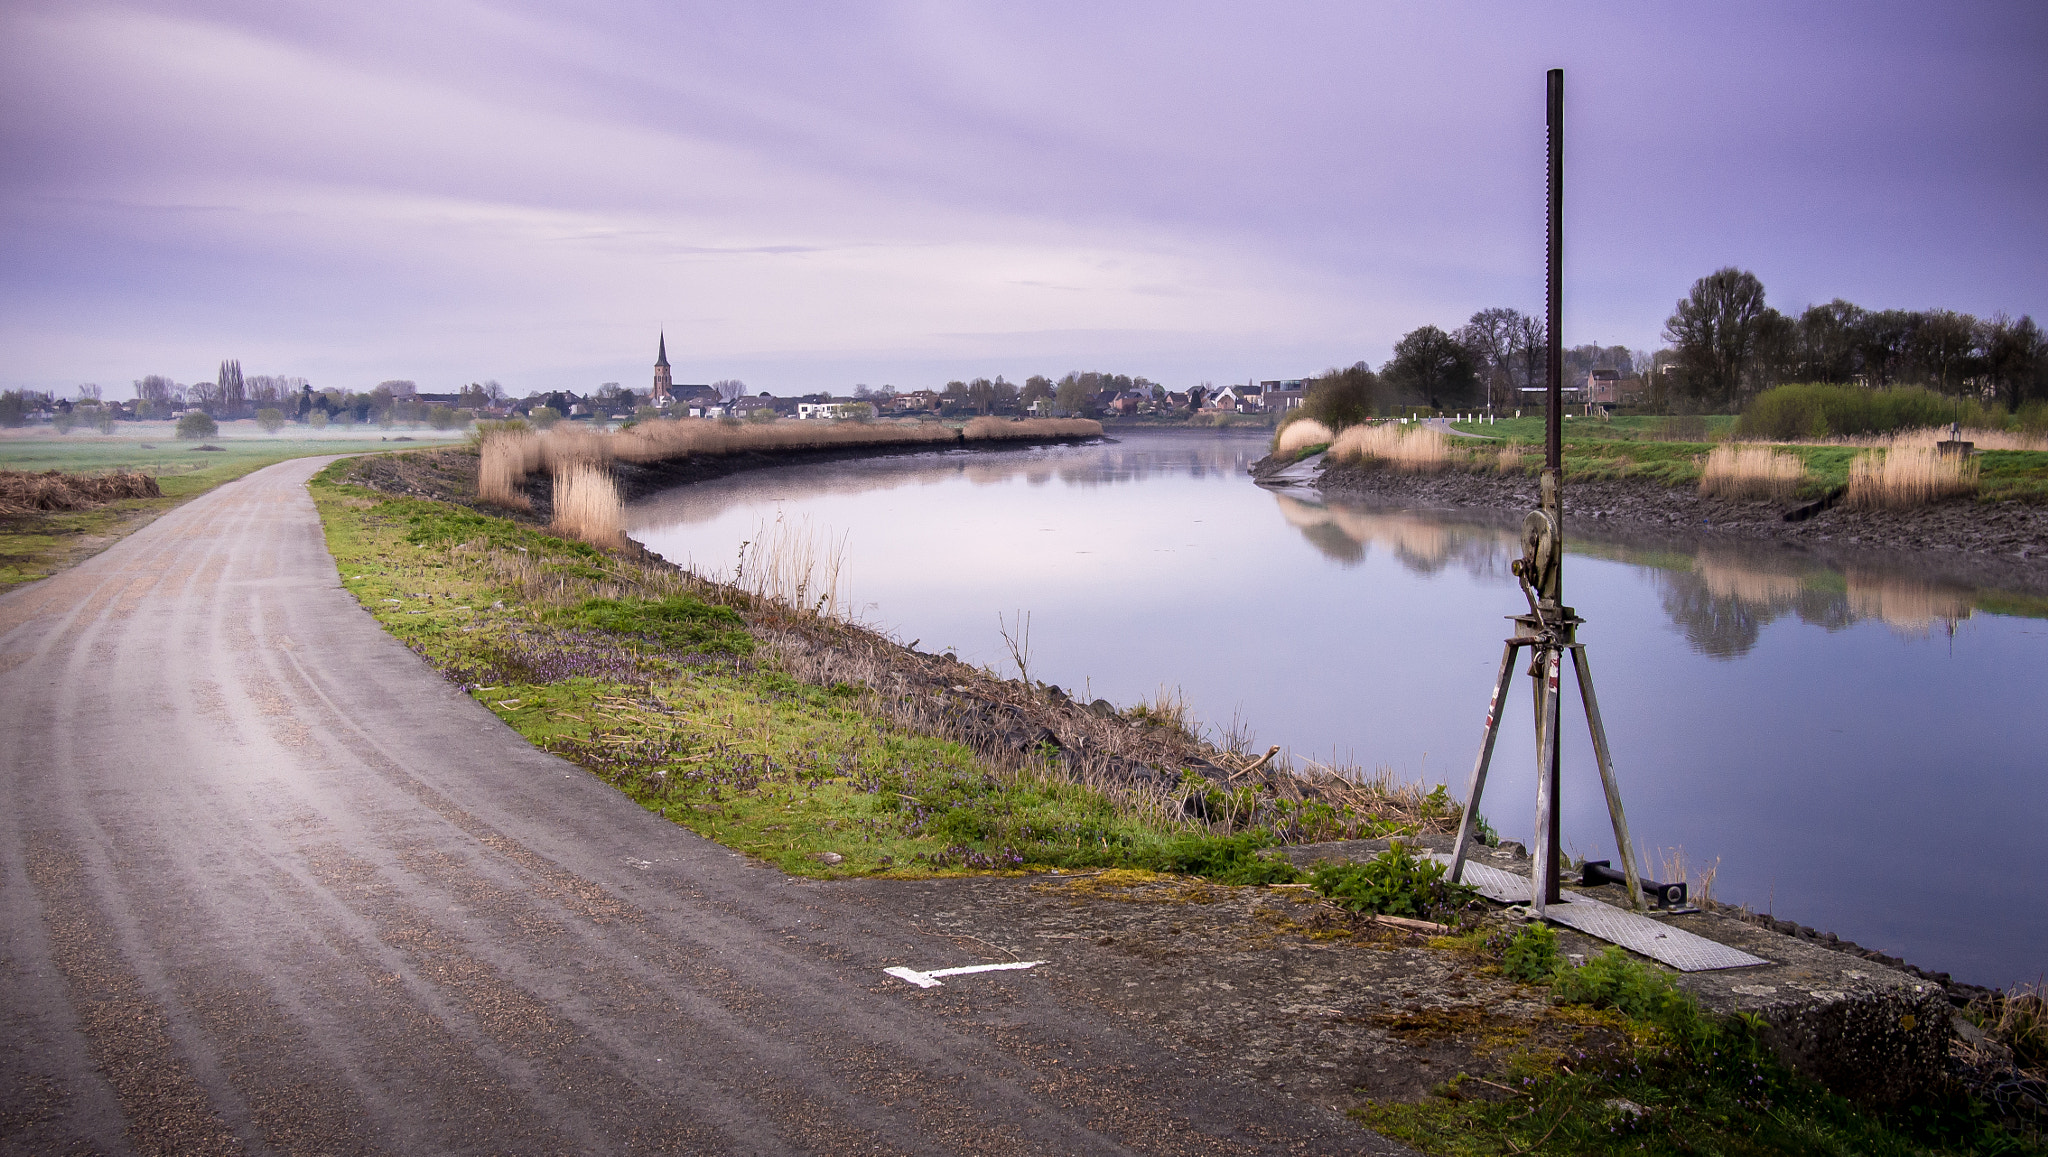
(1858, 750)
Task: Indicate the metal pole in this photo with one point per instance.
(1543, 883)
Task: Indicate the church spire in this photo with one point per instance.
(662, 380)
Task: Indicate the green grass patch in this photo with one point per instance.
(1393, 883)
(1682, 1082)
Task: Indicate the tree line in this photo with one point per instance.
(1728, 345)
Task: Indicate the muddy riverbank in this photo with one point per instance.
(2002, 545)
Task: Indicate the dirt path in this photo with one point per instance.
(269, 884)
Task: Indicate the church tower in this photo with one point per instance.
(662, 380)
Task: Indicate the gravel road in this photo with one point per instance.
(268, 884)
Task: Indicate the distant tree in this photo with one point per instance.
(1433, 366)
(271, 419)
(1036, 387)
(155, 389)
(1492, 335)
(1944, 348)
(231, 393)
(318, 418)
(399, 387)
(1531, 340)
(1884, 342)
(1828, 338)
(729, 389)
(541, 416)
(1341, 398)
(1073, 396)
(474, 396)
(2015, 359)
(1715, 330)
(197, 424)
(13, 410)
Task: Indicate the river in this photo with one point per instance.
(1858, 750)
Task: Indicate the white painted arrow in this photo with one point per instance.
(931, 979)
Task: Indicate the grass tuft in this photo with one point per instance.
(1907, 476)
(1744, 471)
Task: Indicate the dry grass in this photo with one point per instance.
(1751, 470)
(796, 567)
(505, 459)
(1906, 476)
(587, 505)
(1509, 460)
(1304, 432)
(1413, 447)
(510, 456)
(1981, 438)
(24, 492)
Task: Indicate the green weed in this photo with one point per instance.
(1393, 883)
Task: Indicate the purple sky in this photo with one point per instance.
(814, 196)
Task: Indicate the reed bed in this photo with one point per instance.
(1509, 460)
(1302, 432)
(510, 455)
(1749, 470)
(27, 492)
(505, 458)
(1907, 476)
(1978, 437)
(1404, 447)
(587, 505)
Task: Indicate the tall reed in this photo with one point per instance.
(794, 566)
(1906, 476)
(1412, 447)
(587, 505)
(1748, 470)
(1302, 432)
(506, 458)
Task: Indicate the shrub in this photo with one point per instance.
(1238, 859)
(1393, 883)
(1616, 980)
(1532, 955)
(197, 424)
(1831, 411)
(317, 419)
(543, 417)
(271, 419)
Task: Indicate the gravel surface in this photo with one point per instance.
(268, 883)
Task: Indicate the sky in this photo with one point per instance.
(818, 196)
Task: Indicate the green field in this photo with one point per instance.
(38, 545)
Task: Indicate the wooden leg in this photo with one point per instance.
(1607, 779)
(1468, 826)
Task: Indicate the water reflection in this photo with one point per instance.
(1719, 597)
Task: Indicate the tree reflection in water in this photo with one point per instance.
(1720, 598)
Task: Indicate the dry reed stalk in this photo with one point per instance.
(1750, 470)
(1982, 439)
(587, 505)
(1416, 448)
(1304, 432)
(788, 564)
(1907, 476)
(1509, 460)
(675, 438)
(25, 492)
(505, 459)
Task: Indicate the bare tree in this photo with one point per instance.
(729, 389)
(1492, 336)
(1716, 329)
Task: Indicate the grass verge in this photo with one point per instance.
(694, 700)
(34, 546)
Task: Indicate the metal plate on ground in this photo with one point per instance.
(1632, 930)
